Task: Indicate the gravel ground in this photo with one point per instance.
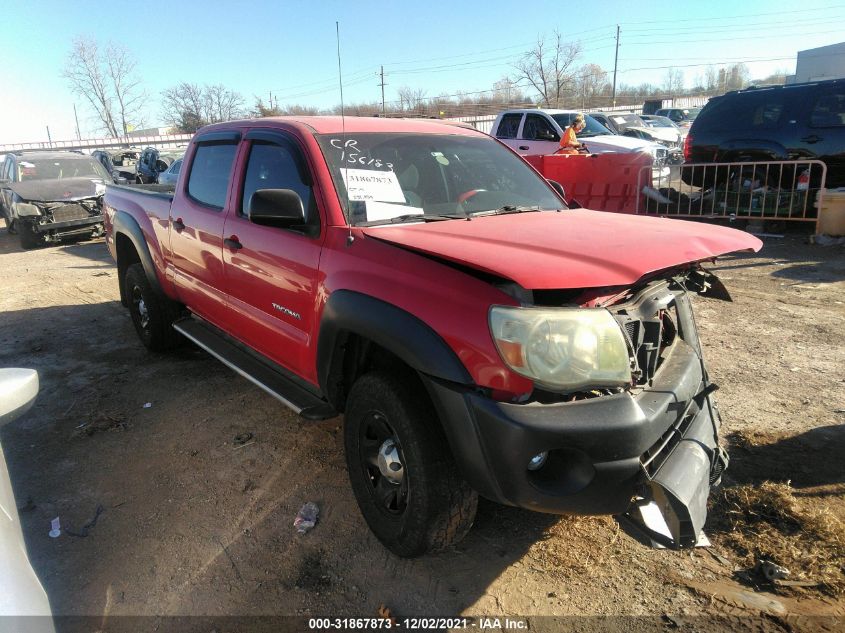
(194, 524)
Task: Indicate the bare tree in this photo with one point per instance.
(736, 76)
(590, 82)
(411, 99)
(673, 83)
(107, 80)
(189, 106)
(120, 69)
(547, 68)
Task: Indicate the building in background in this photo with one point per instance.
(815, 64)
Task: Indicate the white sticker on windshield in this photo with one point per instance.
(366, 184)
(619, 119)
(377, 211)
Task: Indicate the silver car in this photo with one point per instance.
(170, 175)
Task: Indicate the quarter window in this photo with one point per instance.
(829, 111)
(210, 171)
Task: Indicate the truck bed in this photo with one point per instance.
(156, 190)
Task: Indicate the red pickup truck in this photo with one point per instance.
(426, 282)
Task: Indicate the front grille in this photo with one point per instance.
(650, 323)
(69, 212)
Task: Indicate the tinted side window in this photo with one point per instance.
(749, 111)
(537, 127)
(509, 126)
(210, 171)
(829, 110)
(274, 167)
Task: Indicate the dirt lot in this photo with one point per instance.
(193, 524)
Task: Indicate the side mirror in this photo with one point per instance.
(557, 187)
(18, 388)
(276, 207)
(545, 135)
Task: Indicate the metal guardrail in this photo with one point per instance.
(101, 143)
(764, 190)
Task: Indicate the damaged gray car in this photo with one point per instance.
(48, 196)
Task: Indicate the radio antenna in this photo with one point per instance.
(349, 238)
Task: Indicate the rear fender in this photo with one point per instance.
(127, 227)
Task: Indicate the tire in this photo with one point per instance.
(431, 506)
(152, 313)
(29, 237)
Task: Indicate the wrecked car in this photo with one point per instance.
(423, 280)
(48, 196)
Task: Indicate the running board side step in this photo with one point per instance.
(308, 405)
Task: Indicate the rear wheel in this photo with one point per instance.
(402, 472)
(152, 313)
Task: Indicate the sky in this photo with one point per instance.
(289, 48)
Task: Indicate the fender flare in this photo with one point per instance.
(124, 224)
(389, 326)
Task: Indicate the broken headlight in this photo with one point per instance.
(562, 349)
(25, 210)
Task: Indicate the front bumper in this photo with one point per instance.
(50, 227)
(602, 452)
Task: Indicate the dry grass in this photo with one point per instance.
(767, 521)
(578, 545)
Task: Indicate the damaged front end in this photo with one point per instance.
(643, 448)
(49, 222)
(680, 467)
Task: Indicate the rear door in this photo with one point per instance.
(508, 129)
(825, 133)
(196, 226)
(538, 136)
(271, 272)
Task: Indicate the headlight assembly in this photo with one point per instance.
(24, 210)
(562, 349)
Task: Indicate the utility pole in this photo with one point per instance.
(615, 61)
(49, 140)
(78, 135)
(382, 84)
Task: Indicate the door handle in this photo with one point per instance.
(813, 138)
(233, 243)
(524, 147)
(178, 225)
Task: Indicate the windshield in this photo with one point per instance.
(592, 128)
(438, 176)
(692, 113)
(661, 121)
(57, 168)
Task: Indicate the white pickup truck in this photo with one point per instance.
(531, 132)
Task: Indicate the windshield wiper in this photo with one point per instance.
(504, 210)
(410, 217)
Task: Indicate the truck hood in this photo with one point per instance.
(58, 190)
(616, 143)
(575, 248)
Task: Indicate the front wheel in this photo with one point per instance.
(152, 313)
(402, 472)
(29, 236)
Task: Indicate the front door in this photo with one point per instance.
(538, 136)
(271, 272)
(196, 228)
